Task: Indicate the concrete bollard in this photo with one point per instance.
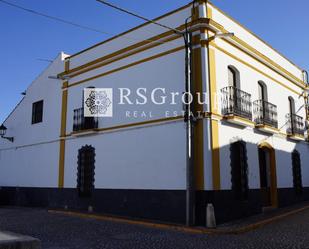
(210, 216)
(90, 209)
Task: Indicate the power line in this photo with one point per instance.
(139, 16)
(53, 17)
(72, 23)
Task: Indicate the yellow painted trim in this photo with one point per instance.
(65, 85)
(106, 60)
(273, 184)
(215, 155)
(249, 31)
(133, 29)
(62, 134)
(199, 125)
(276, 130)
(128, 66)
(124, 126)
(66, 65)
(127, 51)
(299, 83)
(215, 146)
(209, 12)
(245, 121)
(296, 137)
(280, 70)
(254, 68)
(61, 164)
(64, 112)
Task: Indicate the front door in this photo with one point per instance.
(265, 176)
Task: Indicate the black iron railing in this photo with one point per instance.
(81, 122)
(236, 102)
(265, 113)
(295, 124)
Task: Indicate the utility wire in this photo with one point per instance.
(139, 16)
(72, 23)
(53, 17)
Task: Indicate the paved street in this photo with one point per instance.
(65, 232)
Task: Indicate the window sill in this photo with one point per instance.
(238, 120)
(267, 129)
(83, 132)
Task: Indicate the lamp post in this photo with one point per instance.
(3, 130)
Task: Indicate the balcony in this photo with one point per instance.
(82, 123)
(295, 126)
(236, 106)
(265, 116)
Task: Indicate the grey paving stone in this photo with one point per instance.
(66, 232)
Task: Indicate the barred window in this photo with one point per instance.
(85, 172)
(239, 170)
(296, 168)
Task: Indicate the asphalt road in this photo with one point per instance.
(65, 232)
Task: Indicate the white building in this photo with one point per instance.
(250, 148)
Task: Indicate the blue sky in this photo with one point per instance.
(25, 37)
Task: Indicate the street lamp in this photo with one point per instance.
(3, 130)
(221, 35)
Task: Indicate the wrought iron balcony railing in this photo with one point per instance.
(295, 124)
(236, 102)
(81, 122)
(265, 113)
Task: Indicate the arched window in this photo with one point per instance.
(239, 170)
(85, 170)
(305, 77)
(291, 105)
(233, 77)
(262, 91)
(296, 168)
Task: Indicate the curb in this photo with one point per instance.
(18, 241)
(180, 228)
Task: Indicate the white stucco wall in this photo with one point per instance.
(32, 160)
(146, 157)
(279, 89)
(134, 158)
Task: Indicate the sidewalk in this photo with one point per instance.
(16, 241)
(234, 227)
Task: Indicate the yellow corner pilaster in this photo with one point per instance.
(62, 135)
(215, 146)
(199, 127)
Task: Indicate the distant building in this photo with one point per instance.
(250, 141)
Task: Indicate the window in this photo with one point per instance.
(85, 170)
(239, 170)
(291, 105)
(262, 91)
(37, 112)
(296, 168)
(305, 77)
(233, 77)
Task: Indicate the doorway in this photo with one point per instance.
(268, 179)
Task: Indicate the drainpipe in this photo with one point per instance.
(198, 11)
(190, 189)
